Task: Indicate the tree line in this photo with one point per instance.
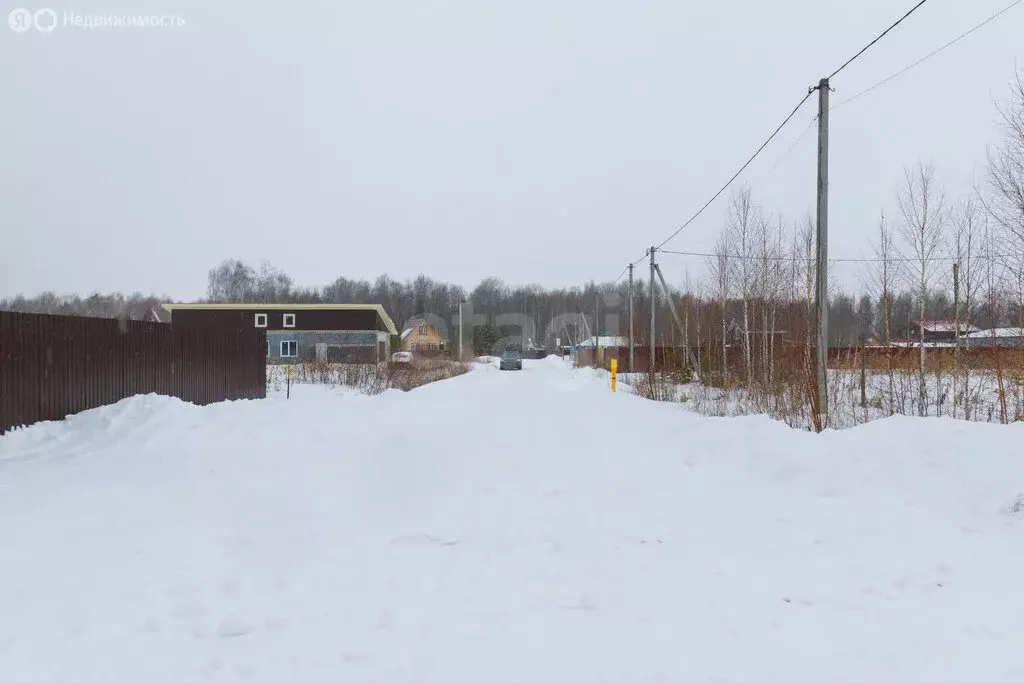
(760, 283)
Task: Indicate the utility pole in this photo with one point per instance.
(654, 302)
(956, 331)
(956, 298)
(597, 327)
(821, 291)
(631, 358)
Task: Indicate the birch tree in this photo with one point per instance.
(886, 272)
(922, 206)
(742, 228)
(721, 266)
(1005, 202)
(967, 225)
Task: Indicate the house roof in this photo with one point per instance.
(943, 326)
(288, 307)
(915, 343)
(607, 342)
(1002, 332)
(414, 323)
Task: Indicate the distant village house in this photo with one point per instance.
(421, 336)
(337, 333)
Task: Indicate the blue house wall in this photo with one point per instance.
(342, 346)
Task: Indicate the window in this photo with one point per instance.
(415, 346)
(423, 330)
(289, 349)
(289, 320)
(261, 320)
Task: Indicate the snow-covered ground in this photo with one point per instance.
(977, 399)
(517, 526)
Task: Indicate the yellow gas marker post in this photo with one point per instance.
(615, 371)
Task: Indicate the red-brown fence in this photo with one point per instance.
(840, 358)
(52, 366)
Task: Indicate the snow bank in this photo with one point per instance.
(505, 527)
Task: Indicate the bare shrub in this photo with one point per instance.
(367, 378)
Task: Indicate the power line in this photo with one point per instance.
(796, 142)
(878, 38)
(892, 259)
(634, 263)
(784, 122)
(741, 169)
(788, 118)
(930, 54)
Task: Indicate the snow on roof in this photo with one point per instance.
(915, 343)
(413, 324)
(1002, 332)
(607, 342)
(943, 326)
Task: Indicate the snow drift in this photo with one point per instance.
(511, 527)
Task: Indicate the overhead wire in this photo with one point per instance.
(891, 259)
(800, 104)
(789, 151)
(634, 263)
(881, 35)
(738, 172)
(928, 56)
(787, 120)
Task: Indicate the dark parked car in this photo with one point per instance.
(511, 360)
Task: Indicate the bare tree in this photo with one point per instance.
(1005, 201)
(721, 267)
(886, 273)
(922, 206)
(687, 301)
(805, 272)
(775, 274)
(964, 244)
(700, 341)
(742, 228)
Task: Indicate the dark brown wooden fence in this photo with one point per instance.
(840, 358)
(52, 366)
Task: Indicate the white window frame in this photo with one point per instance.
(290, 355)
(261, 320)
(284, 320)
(423, 330)
(268, 348)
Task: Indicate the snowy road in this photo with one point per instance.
(505, 527)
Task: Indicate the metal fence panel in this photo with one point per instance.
(52, 366)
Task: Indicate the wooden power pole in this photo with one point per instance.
(821, 291)
(631, 355)
(654, 301)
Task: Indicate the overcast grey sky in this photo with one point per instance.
(533, 140)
